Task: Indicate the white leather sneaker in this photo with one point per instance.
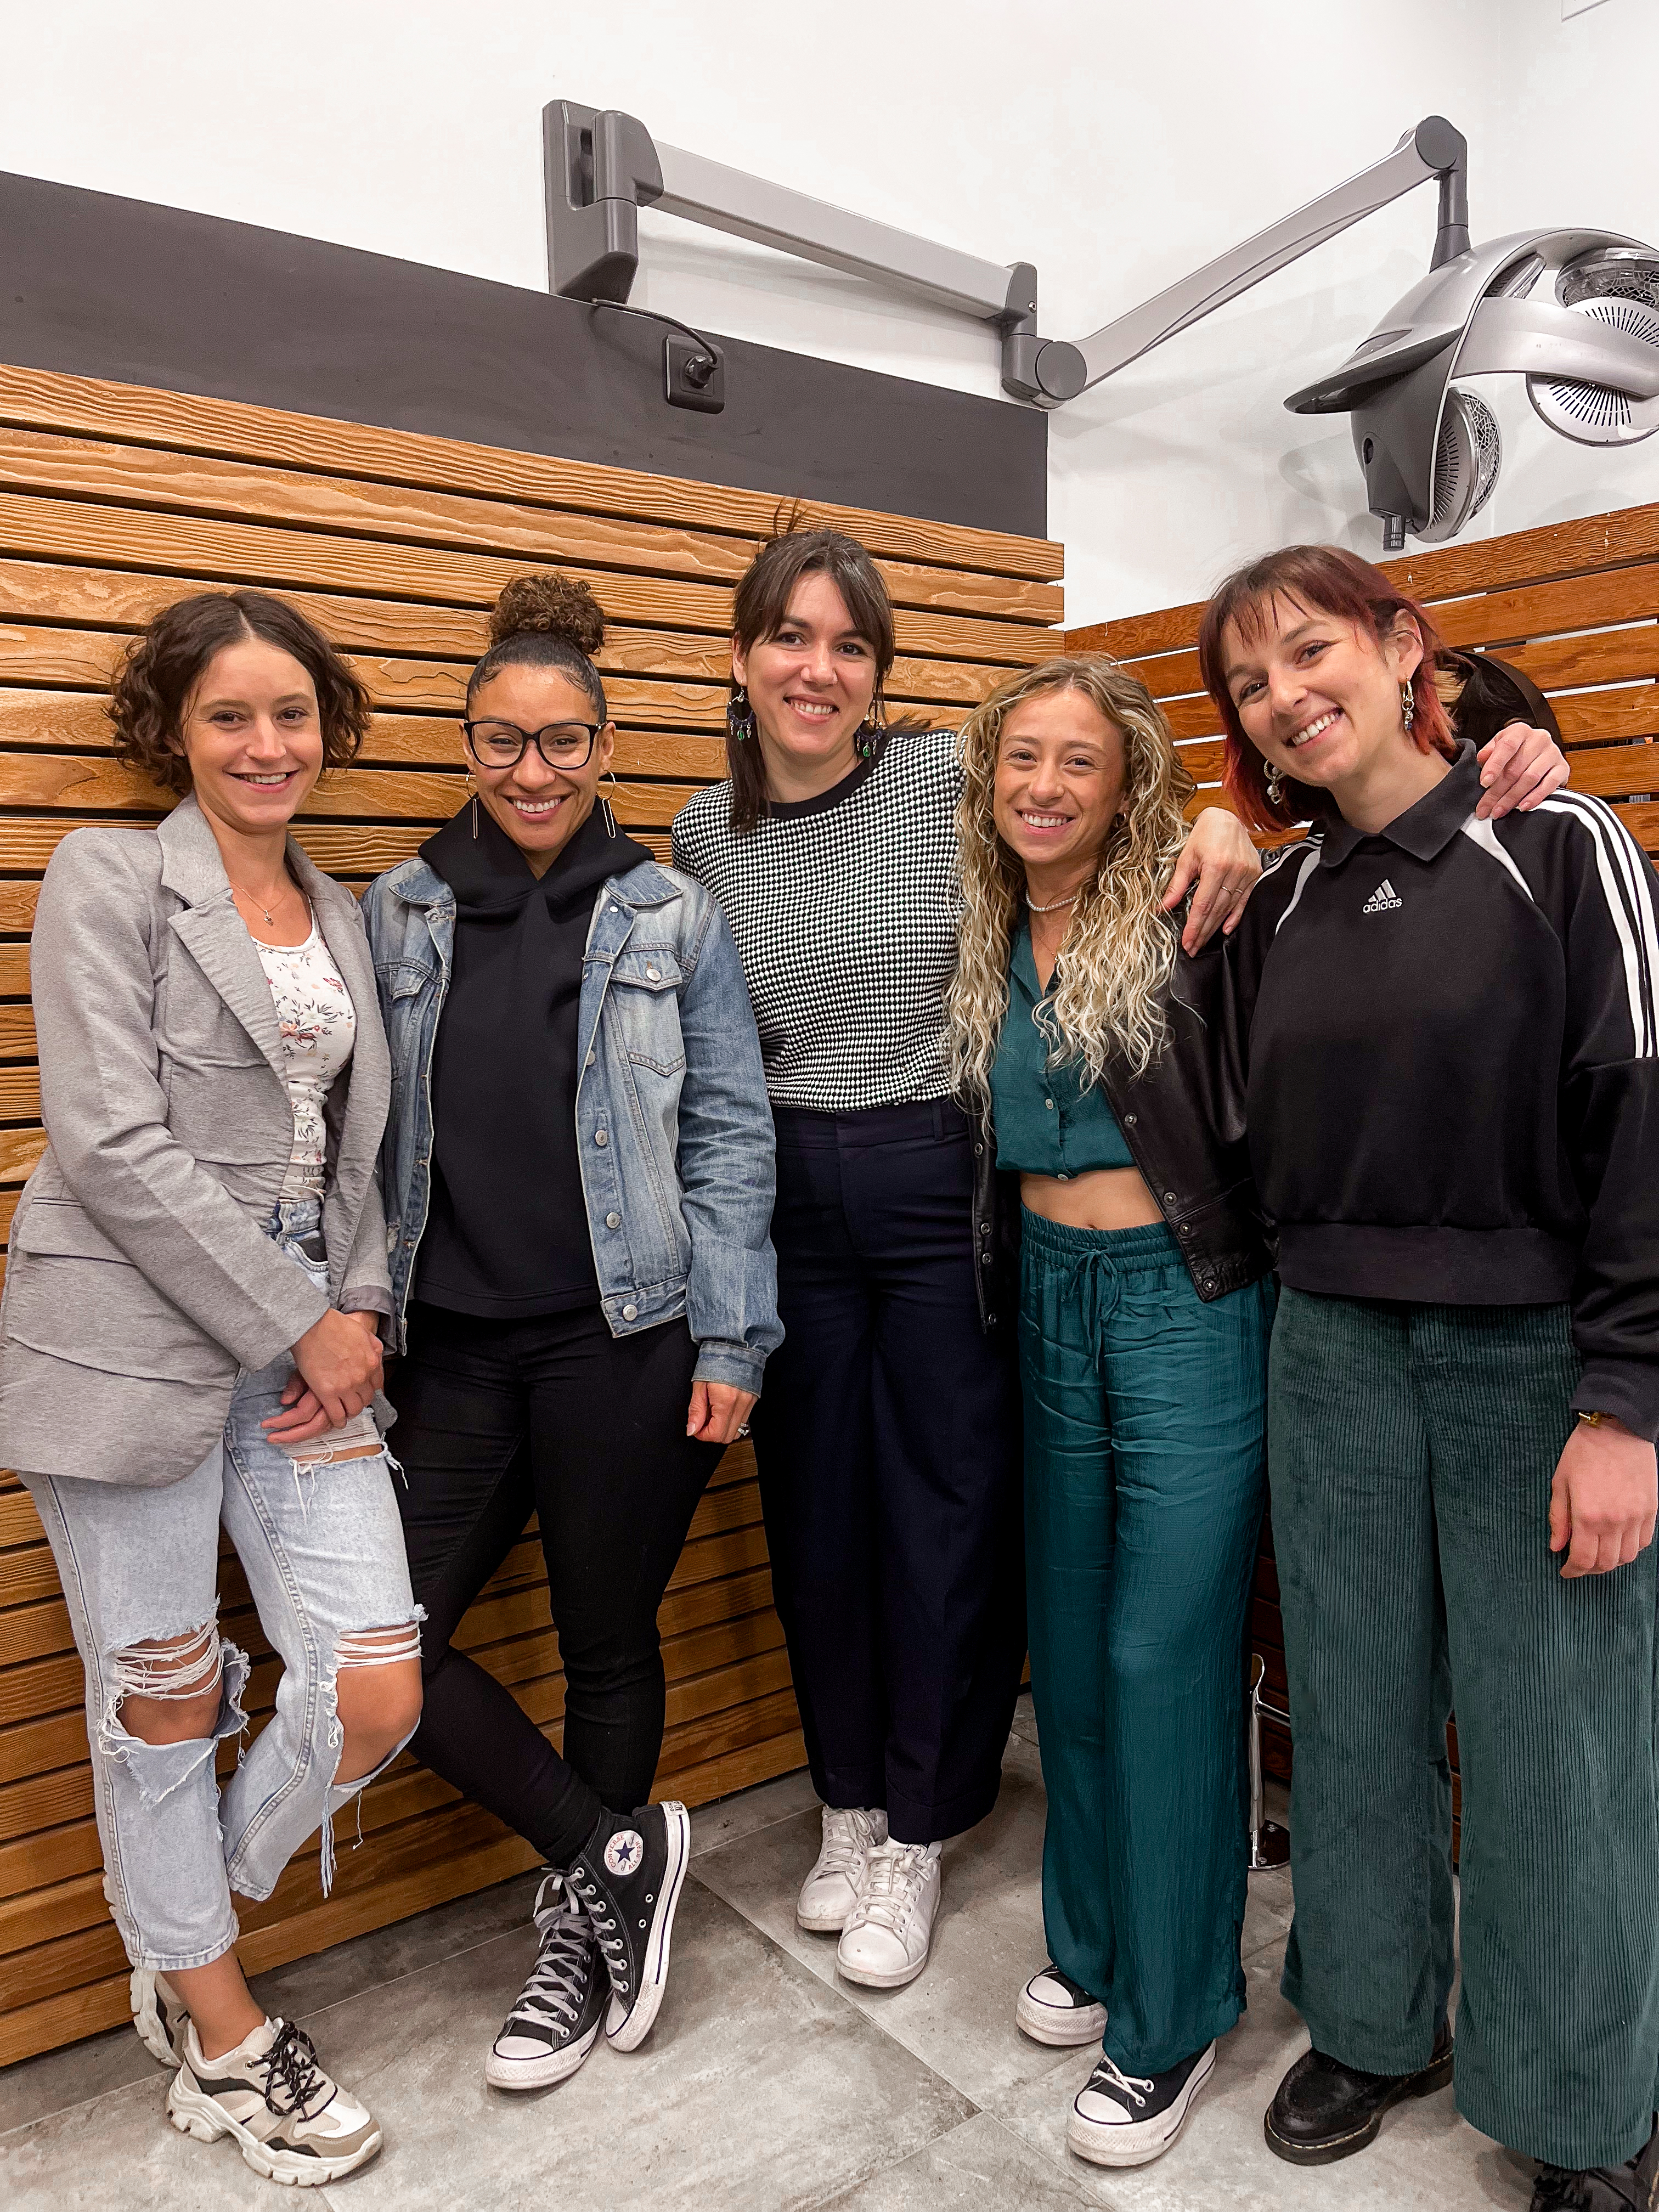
(831, 1890)
(290, 2121)
(1054, 2009)
(885, 1942)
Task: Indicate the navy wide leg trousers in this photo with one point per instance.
(888, 1438)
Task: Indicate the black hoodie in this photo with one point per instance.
(507, 1233)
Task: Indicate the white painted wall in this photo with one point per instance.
(1115, 145)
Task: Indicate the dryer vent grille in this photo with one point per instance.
(1597, 414)
(1467, 456)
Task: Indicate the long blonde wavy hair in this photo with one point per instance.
(1118, 953)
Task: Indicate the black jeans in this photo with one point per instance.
(888, 1443)
(553, 1416)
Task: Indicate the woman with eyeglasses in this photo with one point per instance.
(578, 1177)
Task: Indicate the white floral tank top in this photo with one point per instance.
(319, 1026)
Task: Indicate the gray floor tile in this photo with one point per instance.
(1267, 1911)
(977, 2167)
(1025, 1718)
(760, 2088)
(713, 1827)
(120, 2154)
(59, 2079)
(385, 1954)
(959, 2016)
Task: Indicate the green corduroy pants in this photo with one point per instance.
(1144, 1410)
(1411, 1450)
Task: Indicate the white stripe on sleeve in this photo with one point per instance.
(1619, 866)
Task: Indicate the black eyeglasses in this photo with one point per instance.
(560, 744)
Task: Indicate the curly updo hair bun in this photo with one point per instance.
(163, 664)
(545, 621)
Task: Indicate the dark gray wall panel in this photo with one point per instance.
(97, 286)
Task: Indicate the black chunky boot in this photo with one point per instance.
(628, 1876)
(1631, 2187)
(1324, 2111)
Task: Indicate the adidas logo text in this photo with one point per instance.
(1382, 899)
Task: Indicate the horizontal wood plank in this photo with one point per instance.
(43, 399)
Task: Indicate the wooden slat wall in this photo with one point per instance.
(1576, 606)
(114, 500)
(1573, 606)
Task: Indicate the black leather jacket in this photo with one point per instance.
(1184, 1122)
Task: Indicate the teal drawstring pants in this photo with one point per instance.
(1413, 1450)
(1144, 1411)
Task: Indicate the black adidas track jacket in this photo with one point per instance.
(1448, 1036)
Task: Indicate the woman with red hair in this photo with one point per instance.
(1451, 1047)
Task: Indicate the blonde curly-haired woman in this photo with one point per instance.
(1091, 1039)
(1093, 1045)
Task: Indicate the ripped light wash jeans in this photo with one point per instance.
(323, 1552)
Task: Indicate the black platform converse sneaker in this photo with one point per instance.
(1127, 2119)
(1053, 2009)
(560, 2008)
(629, 1878)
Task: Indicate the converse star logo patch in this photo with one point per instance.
(1383, 900)
(624, 1851)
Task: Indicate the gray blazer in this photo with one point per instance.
(139, 1279)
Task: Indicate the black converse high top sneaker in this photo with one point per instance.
(629, 1878)
(560, 2008)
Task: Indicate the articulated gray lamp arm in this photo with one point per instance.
(602, 166)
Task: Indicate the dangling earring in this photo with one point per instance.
(1407, 707)
(1275, 784)
(871, 731)
(473, 788)
(739, 716)
(605, 807)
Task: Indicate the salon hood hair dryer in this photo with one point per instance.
(1575, 311)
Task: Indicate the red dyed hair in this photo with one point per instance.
(1322, 580)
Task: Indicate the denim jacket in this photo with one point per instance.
(674, 1130)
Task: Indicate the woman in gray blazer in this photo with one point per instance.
(188, 1336)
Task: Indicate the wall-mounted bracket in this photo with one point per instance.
(602, 166)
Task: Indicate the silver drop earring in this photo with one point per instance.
(473, 788)
(739, 716)
(604, 808)
(1407, 708)
(1274, 782)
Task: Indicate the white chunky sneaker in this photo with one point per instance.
(291, 2123)
(1054, 2009)
(562, 2008)
(158, 2015)
(884, 1942)
(831, 1890)
(1127, 2119)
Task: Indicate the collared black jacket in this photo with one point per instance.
(1184, 1122)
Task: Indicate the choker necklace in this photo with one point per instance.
(1054, 905)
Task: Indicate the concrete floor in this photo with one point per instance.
(767, 2084)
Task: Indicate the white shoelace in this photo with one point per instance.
(847, 1835)
(1106, 2075)
(554, 1991)
(894, 1874)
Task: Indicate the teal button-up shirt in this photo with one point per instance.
(1049, 1120)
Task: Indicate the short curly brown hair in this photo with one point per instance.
(163, 664)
